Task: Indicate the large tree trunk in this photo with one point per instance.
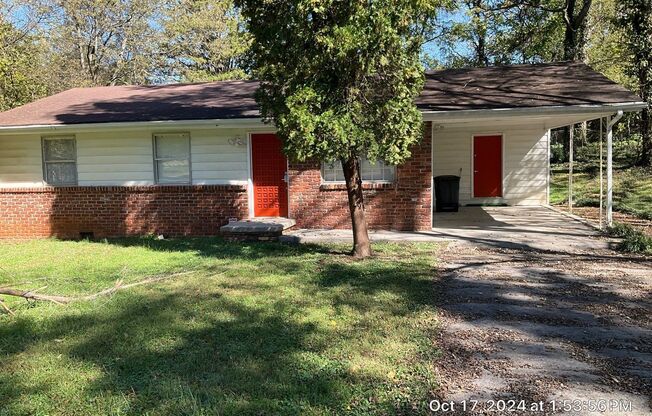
(361, 244)
(566, 133)
(574, 34)
(481, 58)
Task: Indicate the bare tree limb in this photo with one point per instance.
(30, 295)
(60, 300)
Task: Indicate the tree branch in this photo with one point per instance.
(60, 300)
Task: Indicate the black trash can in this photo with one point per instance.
(447, 193)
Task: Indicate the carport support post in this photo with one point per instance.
(610, 186)
(601, 171)
(570, 168)
(610, 179)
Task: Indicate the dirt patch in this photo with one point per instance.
(540, 326)
(593, 214)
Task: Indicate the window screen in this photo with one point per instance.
(378, 171)
(172, 158)
(59, 160)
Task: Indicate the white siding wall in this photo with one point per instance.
(20, 161)
(525, 161)
(215, 160)
(119, 158)
(126, 158)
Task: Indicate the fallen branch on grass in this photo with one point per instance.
(33, 295)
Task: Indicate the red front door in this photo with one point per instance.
(269, 168)
(487, 166)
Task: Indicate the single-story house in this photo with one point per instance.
(184, 159)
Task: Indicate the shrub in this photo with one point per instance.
(587, 201)
(589, 153)
(634, 241)
(627, 151)
(557, 153)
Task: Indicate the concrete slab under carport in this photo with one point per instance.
(518, 227)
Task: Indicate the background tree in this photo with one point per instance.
(203, 40)
(495, 32)
(466, 39)
(103, 42)
(339, 79)
(527, 35)
(573, 14)
(477, 31)
(21, 60)
(634, 17)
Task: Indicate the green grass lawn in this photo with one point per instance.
(256, 328)
(632, 188)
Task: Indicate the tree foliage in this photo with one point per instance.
(204, 40)
(103, 42)
(21, 69)
(634, 17)
(500, 32)
(339, 79)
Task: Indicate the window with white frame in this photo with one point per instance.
(172, 158)
(370, 171)
(59, 160)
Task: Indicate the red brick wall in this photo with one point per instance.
(402, 205)
(119, 211)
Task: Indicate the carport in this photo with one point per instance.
(530, 228)
(527, 228)
(491, 127)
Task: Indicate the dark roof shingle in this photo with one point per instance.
(520, 86)
(517, 86)
(205, 101)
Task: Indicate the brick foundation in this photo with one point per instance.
(119, 211)
(403, 205)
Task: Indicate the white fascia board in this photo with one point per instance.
(137, 125)
(581, 110)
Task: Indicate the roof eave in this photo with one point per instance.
(465, 115)
(250, 122)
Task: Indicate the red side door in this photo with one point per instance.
(269, 168)
(487, 166)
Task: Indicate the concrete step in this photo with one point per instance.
(257, 229)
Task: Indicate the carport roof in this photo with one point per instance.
(515, 87)
(520, 86)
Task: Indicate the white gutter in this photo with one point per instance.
(461, 115)
(136, 125)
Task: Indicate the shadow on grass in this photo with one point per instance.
(217, 247)
(200, 349)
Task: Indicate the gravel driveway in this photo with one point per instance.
(544, 325)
